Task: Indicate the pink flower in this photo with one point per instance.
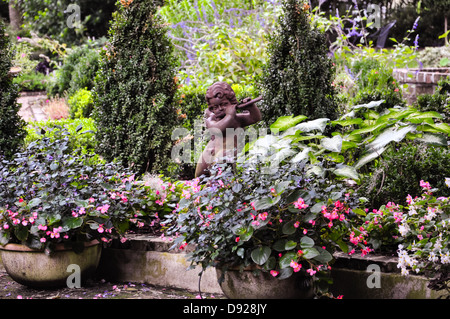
(103, 209)
(274, 273)
(100, 228)
(237, 239)
(91, 200)
(295, 265)
(263, 216)
(5, 226)
(425, 185)
(42, 227)
(296, 224)
(300, 203)
(43, 240)
(311, 272)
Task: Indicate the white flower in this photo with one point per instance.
(447, 181)
(445, 258)
(403, 229)
(433, 257)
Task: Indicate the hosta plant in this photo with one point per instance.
(51, 193)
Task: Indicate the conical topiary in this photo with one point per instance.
(12, 130)
(134, 89)
(297, 80)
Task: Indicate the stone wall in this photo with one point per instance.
(419, 81)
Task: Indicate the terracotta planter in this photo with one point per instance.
(34, 268)
(245, 285)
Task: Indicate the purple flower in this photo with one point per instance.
(416, 42)
(416, 23)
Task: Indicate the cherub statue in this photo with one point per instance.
(222, 120)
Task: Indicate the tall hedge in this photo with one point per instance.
(12, 126)
(134, 90)
(298, 76)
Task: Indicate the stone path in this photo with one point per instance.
(31, 109)
(95, 289)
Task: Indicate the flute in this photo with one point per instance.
(241, 105)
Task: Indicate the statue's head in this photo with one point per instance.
(219, 96)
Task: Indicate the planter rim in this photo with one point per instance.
(58, 247)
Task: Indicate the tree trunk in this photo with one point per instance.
(15, 17)
(445, 30)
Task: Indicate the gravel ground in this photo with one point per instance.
(96, 289)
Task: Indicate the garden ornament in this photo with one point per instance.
(224, 124)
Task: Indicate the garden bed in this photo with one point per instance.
(145, 259)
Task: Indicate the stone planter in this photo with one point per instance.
(420, 81)
(376, 277)
(36, 269)
(245, 284)
(146, 259)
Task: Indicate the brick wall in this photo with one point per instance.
(419, 81)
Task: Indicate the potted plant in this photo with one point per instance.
(260, 229)
(57, 203)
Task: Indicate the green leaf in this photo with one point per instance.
(284, 122)
(261, 254)
(389, 135)
(444, 61)
(265, 203)
(310, 253)
(444, 35)
(433, 139)
(74, 222)
(309, 126)
(286, 259)
(333, 144)
(354, 121)
(288, 228)
(21, 233)
(306, 242)
(301, 155)
(369, 105)
(280, 245)
(435, 128)
(290, 245)
(34, 202)
(347, 171)
(285, 273)
(270, 263)
(324, 257)
(368, 158)
(419, 117)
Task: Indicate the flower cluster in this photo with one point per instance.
(419, 232)
(241, 219)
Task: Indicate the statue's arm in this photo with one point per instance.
(229, 121)
(251, 114)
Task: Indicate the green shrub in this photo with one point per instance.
(298, 76)
(12, 130)
(81, 104)
(77, 71)
(33, 81)
(374, 82)
(439, 101)
(81, 132)
(134, 90)
(400, 170)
